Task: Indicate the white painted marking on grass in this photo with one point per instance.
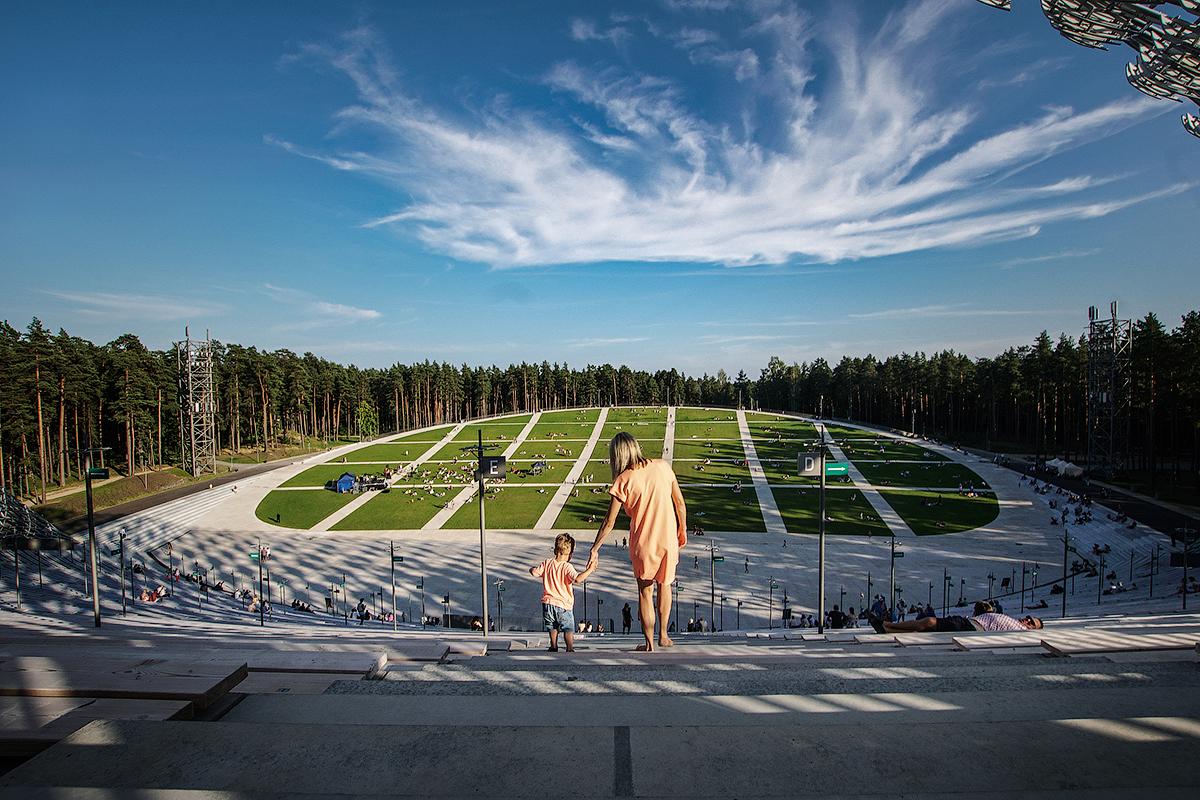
(772, 518)
(895, 524)
(444, 514)
(563, 493)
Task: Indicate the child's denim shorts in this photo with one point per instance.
(555, 618)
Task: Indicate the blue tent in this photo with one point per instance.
(345, 483)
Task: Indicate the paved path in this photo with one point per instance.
(895, 524)
(365, 497)
(766, 500)
(669, 438)
(443, 516)
(546, 520)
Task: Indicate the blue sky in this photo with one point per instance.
(694, 184)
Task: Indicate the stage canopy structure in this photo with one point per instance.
(1165, 35)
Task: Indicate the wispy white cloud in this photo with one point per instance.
(606, 341)
(631, 172)
(953, 310)
(1062, 254)
(140, 306)
(309, 311)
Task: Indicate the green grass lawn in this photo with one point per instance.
(694, 448)
(588, 415)
(938, 474)
(505, 428)
(783, 470)
(514, 507)
(599, 470)
(586, 511)
(705, 415)
(385, 453)
(641, 430)
(954, 512)
(300, 509)
(428, 473)
(466, 450)
(693, 431)
(787, 428)
(887, 449)
(394, 510)
(783, 452)
(323, 473)
(847, 512)
(431, 435)
(555, 472)
(562, 430)
(646, 414)
(716, 472)
(716, 509)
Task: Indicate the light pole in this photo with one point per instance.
(395, 560)
(821, 539)
(599, 602)
(421, 586)
(713, 558)
(1066, 551)
(892, 571)
(722, 612)
(739, 614)
(1100, 577)
(483, 539)
(677, 588)
(1024, 572)
(991, 582)
(121, 555)
(945, 591)
(499, 584)
(962, 585)
(771, 584)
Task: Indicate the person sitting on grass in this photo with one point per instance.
(986, 621)
(558, 591)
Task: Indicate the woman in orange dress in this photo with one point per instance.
(650, 495)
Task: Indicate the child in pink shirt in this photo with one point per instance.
(558, 591)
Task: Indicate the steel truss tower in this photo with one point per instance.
(1110, 342)
(197, 404)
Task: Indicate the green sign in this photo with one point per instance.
(836, 468)
(774, 585)
(254, 555)
(899, 554)
(97, 473)
(718, 559)
(397, 559)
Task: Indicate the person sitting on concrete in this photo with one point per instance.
(988, 621)
(837, 619)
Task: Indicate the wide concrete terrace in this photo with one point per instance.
(1090, 707)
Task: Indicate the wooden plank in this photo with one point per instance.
(146, 679)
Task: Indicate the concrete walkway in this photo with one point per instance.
(365, 497)
(669, 438)
(563, 493)
(443, 516)
(766, 500)
(895, 524)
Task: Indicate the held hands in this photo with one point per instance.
(682, 538)
(593, 559)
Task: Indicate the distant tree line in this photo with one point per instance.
(59, 392)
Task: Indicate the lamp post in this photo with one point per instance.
(121, 555)
(991, 582)
(945, 591)
(771, 585)
(599, 602)
(421, 586)
(713, 558)
(1066, 551)
(1024, 572)
(677, 588)
(499, 584)
(739, 614)
(1100, 577)
(722, 612)
(962, 585)
(395, 559)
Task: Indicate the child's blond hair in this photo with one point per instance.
(625, 452)
(564, 544)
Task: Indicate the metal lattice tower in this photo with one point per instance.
(1110, 342)
(197, 404)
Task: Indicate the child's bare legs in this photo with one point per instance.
(646, 613)
(664, 613)
(554, 639)
(569, 636)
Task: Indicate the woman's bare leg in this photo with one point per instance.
(646, 613)
(664, 613)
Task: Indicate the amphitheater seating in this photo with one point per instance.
(718, 715)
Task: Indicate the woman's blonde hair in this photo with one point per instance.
(625, 452)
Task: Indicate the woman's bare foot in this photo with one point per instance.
(644, 648)
(665, 642)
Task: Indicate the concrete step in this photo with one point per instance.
(1019, 672)
(664, 710)
(1091, 752)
